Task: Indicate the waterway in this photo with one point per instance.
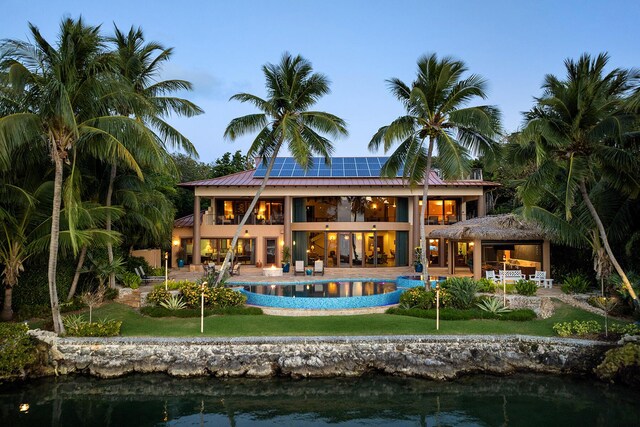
(158, 400)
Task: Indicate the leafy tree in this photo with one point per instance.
(285, 118)
(228, 164)
(435, 119)
(63, 96)
(578, 130)
(138, 64)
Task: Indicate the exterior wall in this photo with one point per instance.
(152, 256)
(283, 233)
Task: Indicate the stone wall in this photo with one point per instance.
(435, 357)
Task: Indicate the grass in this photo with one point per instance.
(134, 324)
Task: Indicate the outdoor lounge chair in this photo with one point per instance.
(491, 275)
(318, 268)
(140, 272)
(299, 268)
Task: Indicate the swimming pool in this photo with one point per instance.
(333, 294)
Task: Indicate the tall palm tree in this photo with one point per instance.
(578, 128)
(64, 94)
(436, 120)
(139, 64)
(285, 118)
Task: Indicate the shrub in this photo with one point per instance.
(110, 294)
(486, 285)
(226, 297)
(134, 262)
(195, 312)
(622, 363)
(157, 295)
(191, 293)
(577, 327)
(520, 315)
(101, 328)
(575, 284)
(493, 305)
(423, 299)
(526, 287)
(17, 348)
(73, 321)
(32, 287)
(622, 329)
(462, 290)
(130, 280)
(173, 303)
(74, 305)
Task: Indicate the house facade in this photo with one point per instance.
(344, 214)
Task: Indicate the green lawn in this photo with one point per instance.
(134, 324)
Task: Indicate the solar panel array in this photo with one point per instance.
(340, 167)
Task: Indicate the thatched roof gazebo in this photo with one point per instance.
(492, 227)
(497, 240)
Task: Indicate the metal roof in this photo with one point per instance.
(248, 179)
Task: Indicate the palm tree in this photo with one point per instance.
(64, 94)
(435, 116)
(139, 64)
(292, 88)
(578, 130)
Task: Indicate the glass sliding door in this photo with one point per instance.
(344, 249)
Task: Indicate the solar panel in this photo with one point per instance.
(347, 167)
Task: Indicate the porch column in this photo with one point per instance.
(546, 257)
(482, 205)
(477, 259)
(417, 223)
(195, 260)
(288, 206)
(451, 257)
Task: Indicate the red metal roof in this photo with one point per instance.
(246, 179)
(185, 221)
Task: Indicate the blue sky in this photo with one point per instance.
(220, 47)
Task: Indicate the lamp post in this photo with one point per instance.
(202, 285)
(504, 283)
(166, 270)
(438, 306)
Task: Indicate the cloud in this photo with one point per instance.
(205, 84)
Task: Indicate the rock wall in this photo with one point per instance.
(435, 357)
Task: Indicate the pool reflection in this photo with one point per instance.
(323, 290)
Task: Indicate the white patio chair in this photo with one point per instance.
(491, 275)
(540, 277)
(299, 268)
(318, 268)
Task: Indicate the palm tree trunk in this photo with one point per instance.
(7, 311)
(112, 178)
(605, 242)
(423, 210)
(76, 276)
(58, 327)
(247, 214)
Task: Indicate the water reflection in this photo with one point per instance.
(156, 400)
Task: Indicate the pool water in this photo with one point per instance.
(322, 295)
(323, 289)
(158, 400)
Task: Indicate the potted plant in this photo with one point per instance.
(417, 259)
(182, 255)
(286, 259)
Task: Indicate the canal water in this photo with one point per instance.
(158, 400)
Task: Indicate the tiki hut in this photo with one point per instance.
(505, 241)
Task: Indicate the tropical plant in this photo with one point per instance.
(578, 131)
(174, 302)
(158, 295)
(493, 305)
(577, 327)
(436, 116)
(17, 348)
(286, 254)
(131, 280)
(462, 290)
(575, 284)
(526, 287)
(64, 95)
(285, 118)
(486, 285)
(138, 64)
(73, 321)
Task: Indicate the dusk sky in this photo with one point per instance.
(221, 46)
